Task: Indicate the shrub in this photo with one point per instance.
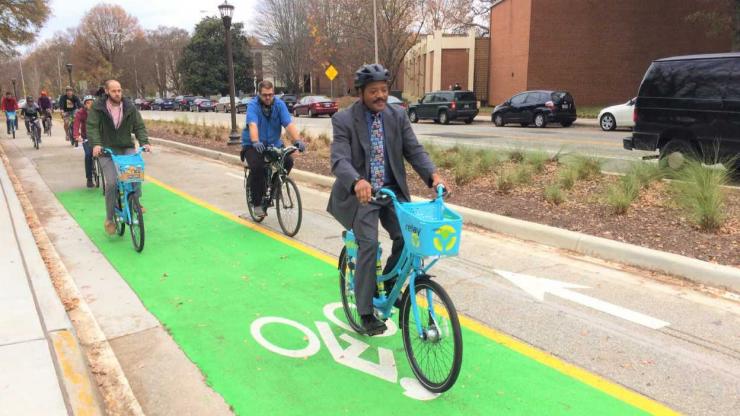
(554, 194)
(620, 196)
(567, 178)
(699, 191)
(536, 159)
(587, 167)
(506, 181)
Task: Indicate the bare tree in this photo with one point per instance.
(714, 14)
(20, 20)
(452, 16)
(167, 44)
(105, 29)
(287, 38)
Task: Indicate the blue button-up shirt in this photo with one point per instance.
(270, 129)
(388, 178)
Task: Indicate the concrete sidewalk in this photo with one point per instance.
(42, 367)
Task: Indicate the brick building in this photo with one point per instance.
(598, 50)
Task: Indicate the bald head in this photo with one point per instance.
(113, 90)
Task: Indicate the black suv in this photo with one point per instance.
(536, 107)
(444, 106)
(689, 106)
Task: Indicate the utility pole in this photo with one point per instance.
(23, 80)
(59, 72)
(375, 28)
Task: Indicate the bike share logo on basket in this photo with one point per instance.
(445, 238)
(414, 232)
(131, 173)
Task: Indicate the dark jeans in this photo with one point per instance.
(256, 162)
(88, 159)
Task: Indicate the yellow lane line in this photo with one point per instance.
(615, 390)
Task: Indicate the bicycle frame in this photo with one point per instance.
(409, 267)
(124, 190)
(276, 167)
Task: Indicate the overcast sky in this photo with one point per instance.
(151, 13)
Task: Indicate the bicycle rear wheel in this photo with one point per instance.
(436, 355)
(248, 193)
(136, 226)
(95, 173)
(289, 208)
(346, 289)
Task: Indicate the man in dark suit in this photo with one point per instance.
(371, 141)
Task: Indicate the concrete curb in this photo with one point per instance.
(691, 269)
(104, 366)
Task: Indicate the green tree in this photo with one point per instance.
(204, 66)
(20, 20)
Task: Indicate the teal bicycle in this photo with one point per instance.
(427, 318)
(130, 170)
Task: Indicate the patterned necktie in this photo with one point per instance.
(377, 157)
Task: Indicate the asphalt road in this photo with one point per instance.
(667, 341)
(583, 137)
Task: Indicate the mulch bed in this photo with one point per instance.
(652, 221)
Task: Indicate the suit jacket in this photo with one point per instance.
(350, 156)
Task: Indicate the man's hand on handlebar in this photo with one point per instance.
(437, 180)
(363, 191)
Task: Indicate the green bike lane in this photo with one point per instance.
(259, 316)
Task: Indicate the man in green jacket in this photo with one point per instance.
(110, 123)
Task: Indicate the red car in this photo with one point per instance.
(315, 105)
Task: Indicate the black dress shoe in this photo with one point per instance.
(372, 326)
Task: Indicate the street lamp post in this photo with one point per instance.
(227, 10)
(69, 72)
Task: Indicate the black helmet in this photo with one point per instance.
(370, 73)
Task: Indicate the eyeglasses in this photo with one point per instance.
(267, 95)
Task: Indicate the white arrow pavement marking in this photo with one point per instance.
(537, 287)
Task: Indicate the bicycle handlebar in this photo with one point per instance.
(109, 151)
(384, 193)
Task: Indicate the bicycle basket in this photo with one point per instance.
(130, 168)
(11, 115)
(430, 228)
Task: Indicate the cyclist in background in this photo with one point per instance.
(9, 103)
(68, 103)
(79, 131)
(31, 114)
(46, 107)
(266, 117)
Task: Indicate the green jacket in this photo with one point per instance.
(102, 132)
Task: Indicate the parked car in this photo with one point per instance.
(689, 106)
(201, 104)
(445, 106)
(290, 100)
(163, 104)
(241, 105)
(143, 104)
(315, 105)
(224, 104)
(182, 102)
(619, 115)
(536, 107)
(397, 102)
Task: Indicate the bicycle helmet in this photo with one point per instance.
(88, 97)
(43, 93)
(371, 73)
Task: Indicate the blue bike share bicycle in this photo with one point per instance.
(427, 318)
(11, 117)
(130, 169)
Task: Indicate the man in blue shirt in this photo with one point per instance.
(267, 115)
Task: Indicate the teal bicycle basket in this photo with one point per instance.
(430, 229)
(130, 168)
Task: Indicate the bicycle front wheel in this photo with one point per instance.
(248, 195)
(99, 177)
(289, 209)
(346, 289)
(36, 133)
(136, 227)
(435, 355)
